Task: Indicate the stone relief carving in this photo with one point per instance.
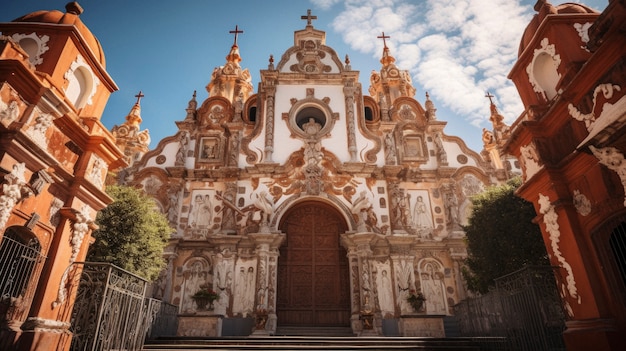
(201, 216)
(530, 160)
(384, 288)
(80, 227)
(390, 150)
(582, 204)
(440, 151)
(614, 160)
(245, 289)
(14, 189)
(41, 42)
(422, 217)
(433, 287)
(98, 171)
(583, 31)
(607, 91)
(9, 111)
(265, 203)
(550, 219)
(152, 184)
(181, 153)
(195, 277)
(37, 131)
(405, 282)
(360, 207)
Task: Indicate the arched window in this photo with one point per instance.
(81, 85)
(20, 251)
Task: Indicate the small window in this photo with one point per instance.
(252, 114)
(369, 115)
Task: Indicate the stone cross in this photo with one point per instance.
(308, 17)
(383, 37)
(236, 32)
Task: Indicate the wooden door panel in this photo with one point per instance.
(313, 286)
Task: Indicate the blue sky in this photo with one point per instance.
(454, 49)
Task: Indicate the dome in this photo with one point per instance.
(544, 9)
(71, 17)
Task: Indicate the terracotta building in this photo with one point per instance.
(571, 76)
(312, 202)
(54, 157)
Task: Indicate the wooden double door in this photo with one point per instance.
(313, 273)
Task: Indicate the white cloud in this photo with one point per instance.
(455, 49)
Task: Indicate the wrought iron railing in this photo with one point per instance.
(524, 307)
(161, 319)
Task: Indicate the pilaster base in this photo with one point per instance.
(593, 334)
(422, 325)
(199, 325)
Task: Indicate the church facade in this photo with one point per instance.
(311, 202)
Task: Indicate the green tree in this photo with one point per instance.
(501, 237)
(132, 233)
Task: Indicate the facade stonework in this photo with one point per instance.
(309, 203)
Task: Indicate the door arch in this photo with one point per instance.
(313, 274)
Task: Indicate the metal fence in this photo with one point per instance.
(111, 312)
(524, 307)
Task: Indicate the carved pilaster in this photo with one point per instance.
(269, 124)
(350, 119)
(267, 258)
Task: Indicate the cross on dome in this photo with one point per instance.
(383, 37)
(139, 96)
(308, 17)
(236, 32)
(489, 96)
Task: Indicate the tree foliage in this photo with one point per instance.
(501, 237)
(132, 233)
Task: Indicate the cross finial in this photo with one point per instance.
(308, 17)
(383, 37)
(489, 96)
(139, 96)
(236, 31)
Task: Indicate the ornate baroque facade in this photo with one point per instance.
(54, 158)
(309, 203)
(571, 77)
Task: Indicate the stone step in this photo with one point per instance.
(326, 343)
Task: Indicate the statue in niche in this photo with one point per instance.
(183, 143)
(421, 215)
(440, 150)
(203, 214)
(246, 286)
(311, 127)
(194, 278)
(385, 293)
(265, 203)
(433, 289)
(390, 150)
(359, 210)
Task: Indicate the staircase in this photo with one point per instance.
(328, 343)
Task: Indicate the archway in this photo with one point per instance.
(313, 274)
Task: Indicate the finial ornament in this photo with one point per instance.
(308, 17)
(488, 95)
(384, 37)
(139, 96)
(236, 32)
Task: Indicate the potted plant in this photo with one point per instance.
(205, 297)
(416, 299)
